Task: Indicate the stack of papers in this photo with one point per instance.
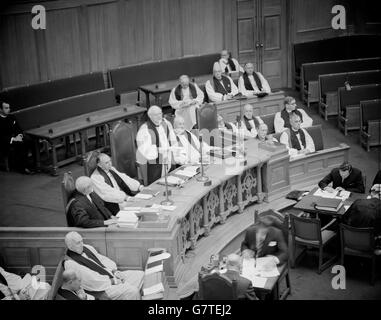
(171, 180)
(127, 219)
(332, 195)
(162, 207)
(258, 270)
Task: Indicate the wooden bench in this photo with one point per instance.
(127, 79)
(349, 104)
(338, 48)
(330, 83)
(370, 115)
(22, 97)
(310, 73)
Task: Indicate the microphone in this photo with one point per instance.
(202, 178)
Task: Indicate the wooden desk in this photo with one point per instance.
(52, 132)
(158, 89)
(307, 203)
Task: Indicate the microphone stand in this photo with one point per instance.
(167, 201)
(202, 178)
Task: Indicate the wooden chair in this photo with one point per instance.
(308, 233)
(216, 287)
(123, 148)
(67, 189)
(57, 282)
(316, 134)
(90, 163)
(269, 120)
(207, 117)
(281, 222)
(359, 242)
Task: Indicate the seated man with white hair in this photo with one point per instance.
(185, 99)
(114, 187)
(99, 273)
(228, 64)
(190, 145)
(220, 87)
(71, 287)
(13, 287)
(250, 123)
(262, 135)
(156, 142)
(87, 210)
(251, 82)
(297, 140)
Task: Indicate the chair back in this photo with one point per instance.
(67, 188)
(207, 117)
(359, 239)
(123, 148)
(90, 163)
(269, 120)
(306, 228)
(57, 280)
(216, 287)
(316, 134)
(278, 134)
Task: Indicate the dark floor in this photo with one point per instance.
(36, 201)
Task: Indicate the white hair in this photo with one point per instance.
(69, 275)
(84, 185)
(70, 237)
(152, 109)
(248, 105)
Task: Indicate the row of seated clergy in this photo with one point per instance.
(98, 273)
(13, 140)
(13, 287)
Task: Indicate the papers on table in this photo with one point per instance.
(156, 288)
(171, 180)
(143, 196)
(258, 270)
(332, 195)
(160, 206)
(127, 219)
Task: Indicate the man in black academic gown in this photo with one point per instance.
(12, 140)
(87, 209)
(344, 178)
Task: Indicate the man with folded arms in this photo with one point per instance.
(99, 273)
(87, 209)
(296, 139)
(185, 99)
(282, 118)
(220, 87)
(251, 83)
(249, 122)
(114, 187)
(343, 178)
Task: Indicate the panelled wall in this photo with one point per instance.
(90, 35)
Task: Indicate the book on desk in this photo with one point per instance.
(327, 204)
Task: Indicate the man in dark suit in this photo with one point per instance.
(12, 139)
(87, 209)
(262, 240)
(245, 290)
(343, 178)
(71, 287)
(366, 213)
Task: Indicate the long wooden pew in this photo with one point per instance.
(370, 116)
(22, 97)
(310, 73)
(127, 79)
(330, 83)
(349, 104)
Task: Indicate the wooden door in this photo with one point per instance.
(262, 38)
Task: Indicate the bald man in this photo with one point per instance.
(245, 290)
(71, 287)
(100, 274)
(114, 187)
(87, 209)
(249, 122)
(251, 83)
(228, 64)
(189, 144)
(156, 142)
(220, 87)
(185, 99)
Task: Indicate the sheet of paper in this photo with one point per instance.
(325, 194)
(346, 208)
(186, 173)
(258, 282)
(130, 209)
(160, 206)
(172, 180)
(153, 289)
(127, 216)
(162, 256)
(143, 196)
(268, 274)
(157, 268)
